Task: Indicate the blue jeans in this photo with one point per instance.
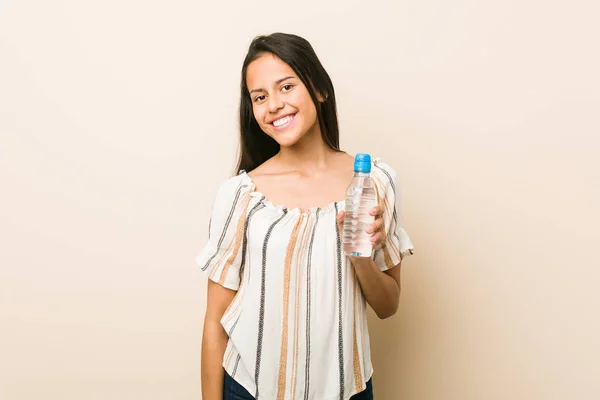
(234, 391)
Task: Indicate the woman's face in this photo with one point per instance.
(281, 103)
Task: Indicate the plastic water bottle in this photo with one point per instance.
(361, 197)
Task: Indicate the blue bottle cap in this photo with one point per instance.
(362, 163)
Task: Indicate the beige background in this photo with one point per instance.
(118, 120)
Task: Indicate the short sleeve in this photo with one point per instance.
(221, 256)
(397, 244)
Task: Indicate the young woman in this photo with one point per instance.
(286, 314)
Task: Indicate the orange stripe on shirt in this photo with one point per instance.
(388, 211)
(289, 255)
(239, 234)
(355, 359)
(299, 263)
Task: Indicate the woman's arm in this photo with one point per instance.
(381, 289)
(214, 341)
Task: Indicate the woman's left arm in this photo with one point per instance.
(381, 289)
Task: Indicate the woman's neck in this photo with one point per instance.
(311, 153)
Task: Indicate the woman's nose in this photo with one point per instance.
(275, 103)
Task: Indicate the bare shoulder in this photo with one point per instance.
(346, 161)
(343, 167)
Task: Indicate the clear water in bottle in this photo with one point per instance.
(361, 197)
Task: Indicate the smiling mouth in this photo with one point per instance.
(283, 122)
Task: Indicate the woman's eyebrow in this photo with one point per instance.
(276, 82)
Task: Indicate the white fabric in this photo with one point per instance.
(297, 325)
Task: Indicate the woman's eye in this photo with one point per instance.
(287, 88)
(259, 98)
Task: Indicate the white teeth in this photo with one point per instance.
(282, 121)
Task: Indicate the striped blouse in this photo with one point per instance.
(297, 325)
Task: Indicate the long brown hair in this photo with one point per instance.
(256, 146)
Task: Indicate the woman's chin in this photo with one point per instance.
(286, 139)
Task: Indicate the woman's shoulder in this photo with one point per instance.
(384, 171)
(232, 186)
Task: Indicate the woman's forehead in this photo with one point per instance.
(267, 69)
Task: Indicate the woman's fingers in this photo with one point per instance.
(376, 211)
(376, 226)
(340, 217)
(377, 239)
